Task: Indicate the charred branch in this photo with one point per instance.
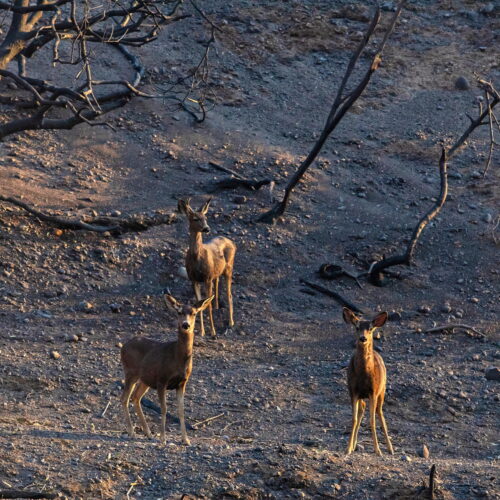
(99, 224)
(334, 295)
(486, 116)
(343, 102)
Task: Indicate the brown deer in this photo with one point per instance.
(366, 378)
(148, 363)
(207, 262)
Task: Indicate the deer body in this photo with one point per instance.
(207, 262)
(366, 379)
(163, 366)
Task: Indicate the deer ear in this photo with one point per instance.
(183, 207)
(172, 303)
(204, 207)
(349, 316)
(203, 304)
(380, 319)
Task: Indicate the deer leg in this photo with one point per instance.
(139, 392)
(162, 395)
(229, 279)
(125, 399)
(373, 408)
(180, 411)
(209, 287)
(197, 292)
(384, 425)
(361, 412)
(355, 403)
(216, 293)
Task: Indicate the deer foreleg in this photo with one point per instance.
(216, 300)
(229, 282)
(373, 408)
(384, 426)
(180, 411)
(209, 290)
(355, 403)
(361, 412)
(197, 292)
(162, 395)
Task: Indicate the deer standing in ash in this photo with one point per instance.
(207, 262)
(366, 378)
(148, 363)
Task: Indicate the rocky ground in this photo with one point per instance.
(68, 301)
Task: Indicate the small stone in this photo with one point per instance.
(406, 458)
(476, 174)
(487, 218)
(446, 308)
(424, 451)
(119, 344)
(114, 307)
(240, 199)
(115, 213)
(85, 306)
(461, 83)
(474, 300)
(492, 373)
(55, 355)
(72, 338)
(424, 309)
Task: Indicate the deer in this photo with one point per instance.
(207, 262)
(366, 379)
(163, 366)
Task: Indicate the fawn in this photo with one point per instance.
(366, 378)
(207, 262)
(148, 363)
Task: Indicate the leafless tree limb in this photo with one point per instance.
(375, 275)
(341, 105)
(100, 224)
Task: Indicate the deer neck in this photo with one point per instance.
(364, 355)
(195, 243)
(185, 345)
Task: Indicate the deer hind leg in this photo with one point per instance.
(209, 289)
(361, 412)
(197, 292)
(216, 300)
(139, 392)
(380, 414)
(373, 408)
(162, 395)
(180, 411)
(125, 399)
(355, 404)
(228, 273)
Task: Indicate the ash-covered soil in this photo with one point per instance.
(278, 377)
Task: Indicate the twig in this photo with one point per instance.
(449, 326)
(237, 180)
(105, 409)
(337, 297)
(207, 420)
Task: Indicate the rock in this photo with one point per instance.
(71, 338)
(492, 373)
(474, 300)
(181, 271)
(476, 174)
(461, 83)
(424, 451)
(487, 218)
(240, 199)
(115, 307)
(446, 308)
(85, 306)
(424, 309)
(115, 213)
(406, 458)
(55, 355)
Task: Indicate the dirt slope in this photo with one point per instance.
(279, 375)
